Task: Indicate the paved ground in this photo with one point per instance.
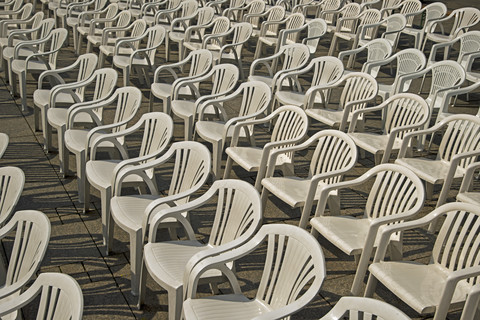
(76, 247)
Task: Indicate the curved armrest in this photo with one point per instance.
(55, 73)
(169, 68)
(265, 62)
(209, 37)
(468, 177)
(266, 24)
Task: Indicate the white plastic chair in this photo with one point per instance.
(199, 62)
(134, 213)
(293, 258)
(287, 35)
(36, 62)
(289, 129)
(103, 81)
(109, 44)
(365, 28)
(407, 61)
(325, 168)
(463, 19)
(397, 194)
(234, 40)
(470, 308)
(202, 18)
(431, 12)
(160, 12)
(364, 308)
(88, 18)
(84, 66)
(22, 20)
(4, 139)
(157, 131)
(142, 60)
(346, 11)
(273, 14)
(403, 113)
(223, 78)
(394, 24)
(246, 13)
(12, 181)
(326, 70)
(466, 193)
(459, 146)
(60, 298)
(96, 33)
(238, 215)
(127, 101)
(31, 232)
(452, 269)
(357, 89)
(444, 110)
(316, 29)
(196, 36)
(255, 98)
(376, 50)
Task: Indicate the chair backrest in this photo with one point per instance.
(464, 19)
(12, 181)
(58, 37)
(201, 61)
(410, 6)
(255, 7)
(105, 82)
(329, 5)
(434, 11)
(408, 61)
(156, 35)
(241, 34)
(405, 109)
(138, 28)
(111, 11)
(121, 20)
(469, 42)
(395, 25)
(3, 143)
(44, 31)
(462, 135)
(364, 308)
(445, 74)
(205, 15)
(335, 152)
(275, 13)
(369, 16)
(326, 69)
(256, 96)
(191, 169)
(377, 50)
(294, 259)
(129, 100)
(188, 8)
(294, 21)
(224, 78)
(87, 64)
(60, 298)
(315, 29)
(349, 10)
(37, 20)
(294, 56)
(358, 86)
(25, 12)
(32, 233)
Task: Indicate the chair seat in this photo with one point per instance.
(292, 190)
(249, 157)
(436, 37)
(266, 79)
(166, 261)
(229, 306)
(97, 40)
(269, 41)
(41, 98)
(196, 46)
(19, 66)
(185, 108)
(9, 52)
(330, 117)
(85, 30)
(100, 173)
(346, 232)
(124, 61)
(57, 117)
(373, 143)
(72, 21)
(294, 98)
(419, 285)
(128, 211)
(469, 197)
(75, 140)
(110, 50)
(345, 35)
(432, 171)
(213, 130)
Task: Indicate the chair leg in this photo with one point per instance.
(228, 168)
(371, 285)
(175, 301)
(126, 76)
(150, 102)
(47, 130)
(143, 286)
(62, 150)
(81, 175)
(136, 245)
(36, 116)
(107, 225)
(23, 90)
(217, 158)
(188, 128)
(86, 196)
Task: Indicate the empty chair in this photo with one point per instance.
(12, 181)
(3, 143)
(287, 35)
(160, 12)
(463, 19)
(108, 46)
(24, 21)
(141, 60)
(432, 12)
(84, 66)
(465, 193)
(202, 18)
(234, 40)
(30, 230)
(127, 101)
(326, 167)
(87, 19)
(273, 14)
(157, 131)
(364, 308)
(199, 63)
(394, 24)
(345, 12)
(246, 12)
(223, 78)
(196, 37)
(459, 146)
(237, 216)
(407, 61)
(452, 267)
(294, 259)
(255, 98)
(103, 80)
(326, 70)
(60, 298)
(289, 129)
(316, 29)
(191, 167)
(376, 50)
(471, 304)
(357, 89)
(403, 113)
(396, 194)
(366, 25)
(96, 33)
(452, 94)
(36, 62)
